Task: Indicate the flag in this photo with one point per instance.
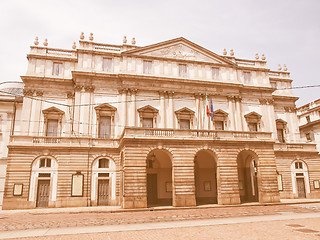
(211, 110)
(207, 106)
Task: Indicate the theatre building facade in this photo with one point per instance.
(170, 123)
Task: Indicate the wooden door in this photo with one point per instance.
(43, 193)
(152, 189)
(103, 192)
(301, 188)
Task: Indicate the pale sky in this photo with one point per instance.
(286, 31)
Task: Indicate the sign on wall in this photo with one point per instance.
(77, 185)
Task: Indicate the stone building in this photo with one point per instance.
(170, 123)
(10, 109)
(309, 121)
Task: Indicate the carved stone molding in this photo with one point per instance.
(289, 109)
(78, 88)
(28, 92)
(39, 93)
(89, 88)
(266, 101)
(70, 94)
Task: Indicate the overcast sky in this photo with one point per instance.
(286, 31)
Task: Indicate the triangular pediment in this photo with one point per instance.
(148, 109)
(184, 111)
(180, 49)
(53, 110)
(105, 107)
(253, 115)
(220, 112)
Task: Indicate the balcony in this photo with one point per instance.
(162, 133)
(63, 141)
(294, 147)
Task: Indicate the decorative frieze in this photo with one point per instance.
(289, 109)
(39, 93)
(28, 92)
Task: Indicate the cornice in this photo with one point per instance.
(57, 58)
(310, 124)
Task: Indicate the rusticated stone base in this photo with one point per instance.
(269, 197)
(184, 200)
(134, 202)
(229, 199)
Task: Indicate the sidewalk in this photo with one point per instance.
(150, 226)
(110, 209)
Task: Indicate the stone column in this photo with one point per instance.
(196, 97)
(162, 110)
(26, 111)
(77, 102)
(69, 114)
(36, 114)
(170, 115)
(231, 112)
(238, 113)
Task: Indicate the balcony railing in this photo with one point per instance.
(63, 141)
(195, 134)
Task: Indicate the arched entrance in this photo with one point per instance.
(159, 178)
(300, 179)
(103, 191)
(247, 175)
(205, 175)
(43, 181)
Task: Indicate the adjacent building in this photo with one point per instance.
(309, 120)
(10, 109)
(171, 123)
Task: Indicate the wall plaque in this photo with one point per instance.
(77, 185)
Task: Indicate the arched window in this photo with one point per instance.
(103, 163)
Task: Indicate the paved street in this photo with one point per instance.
(298, 221)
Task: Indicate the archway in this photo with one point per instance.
(247, 175)
(205, 175)
(300, 179)
(43, 181)
(159, 178)
(103, 191)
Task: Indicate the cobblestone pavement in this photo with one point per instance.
(298, 229)
(31, 220)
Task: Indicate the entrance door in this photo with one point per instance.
(103, 191)
(301, 188)
(43, 193)
(152, 189)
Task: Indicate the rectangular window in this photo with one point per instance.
(280, 135)
(107, 64)
(52, 128)
(215, 73)
(147, 122)
(104, 127)
(308, 119)
(298, 165)
(182, 70)
(219, 125)
(45, 162)
(247, 77)
(57, 69)
(273, 84)
(147, 65)
(253, 127)
(103, 163)
(184, 124)
(308, 136)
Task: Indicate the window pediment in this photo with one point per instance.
(281, 123)
(184, 113)
(220, 113)
(148, 111)
(253, 117)
(52, 110)
(53, 113)
(105, 109)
